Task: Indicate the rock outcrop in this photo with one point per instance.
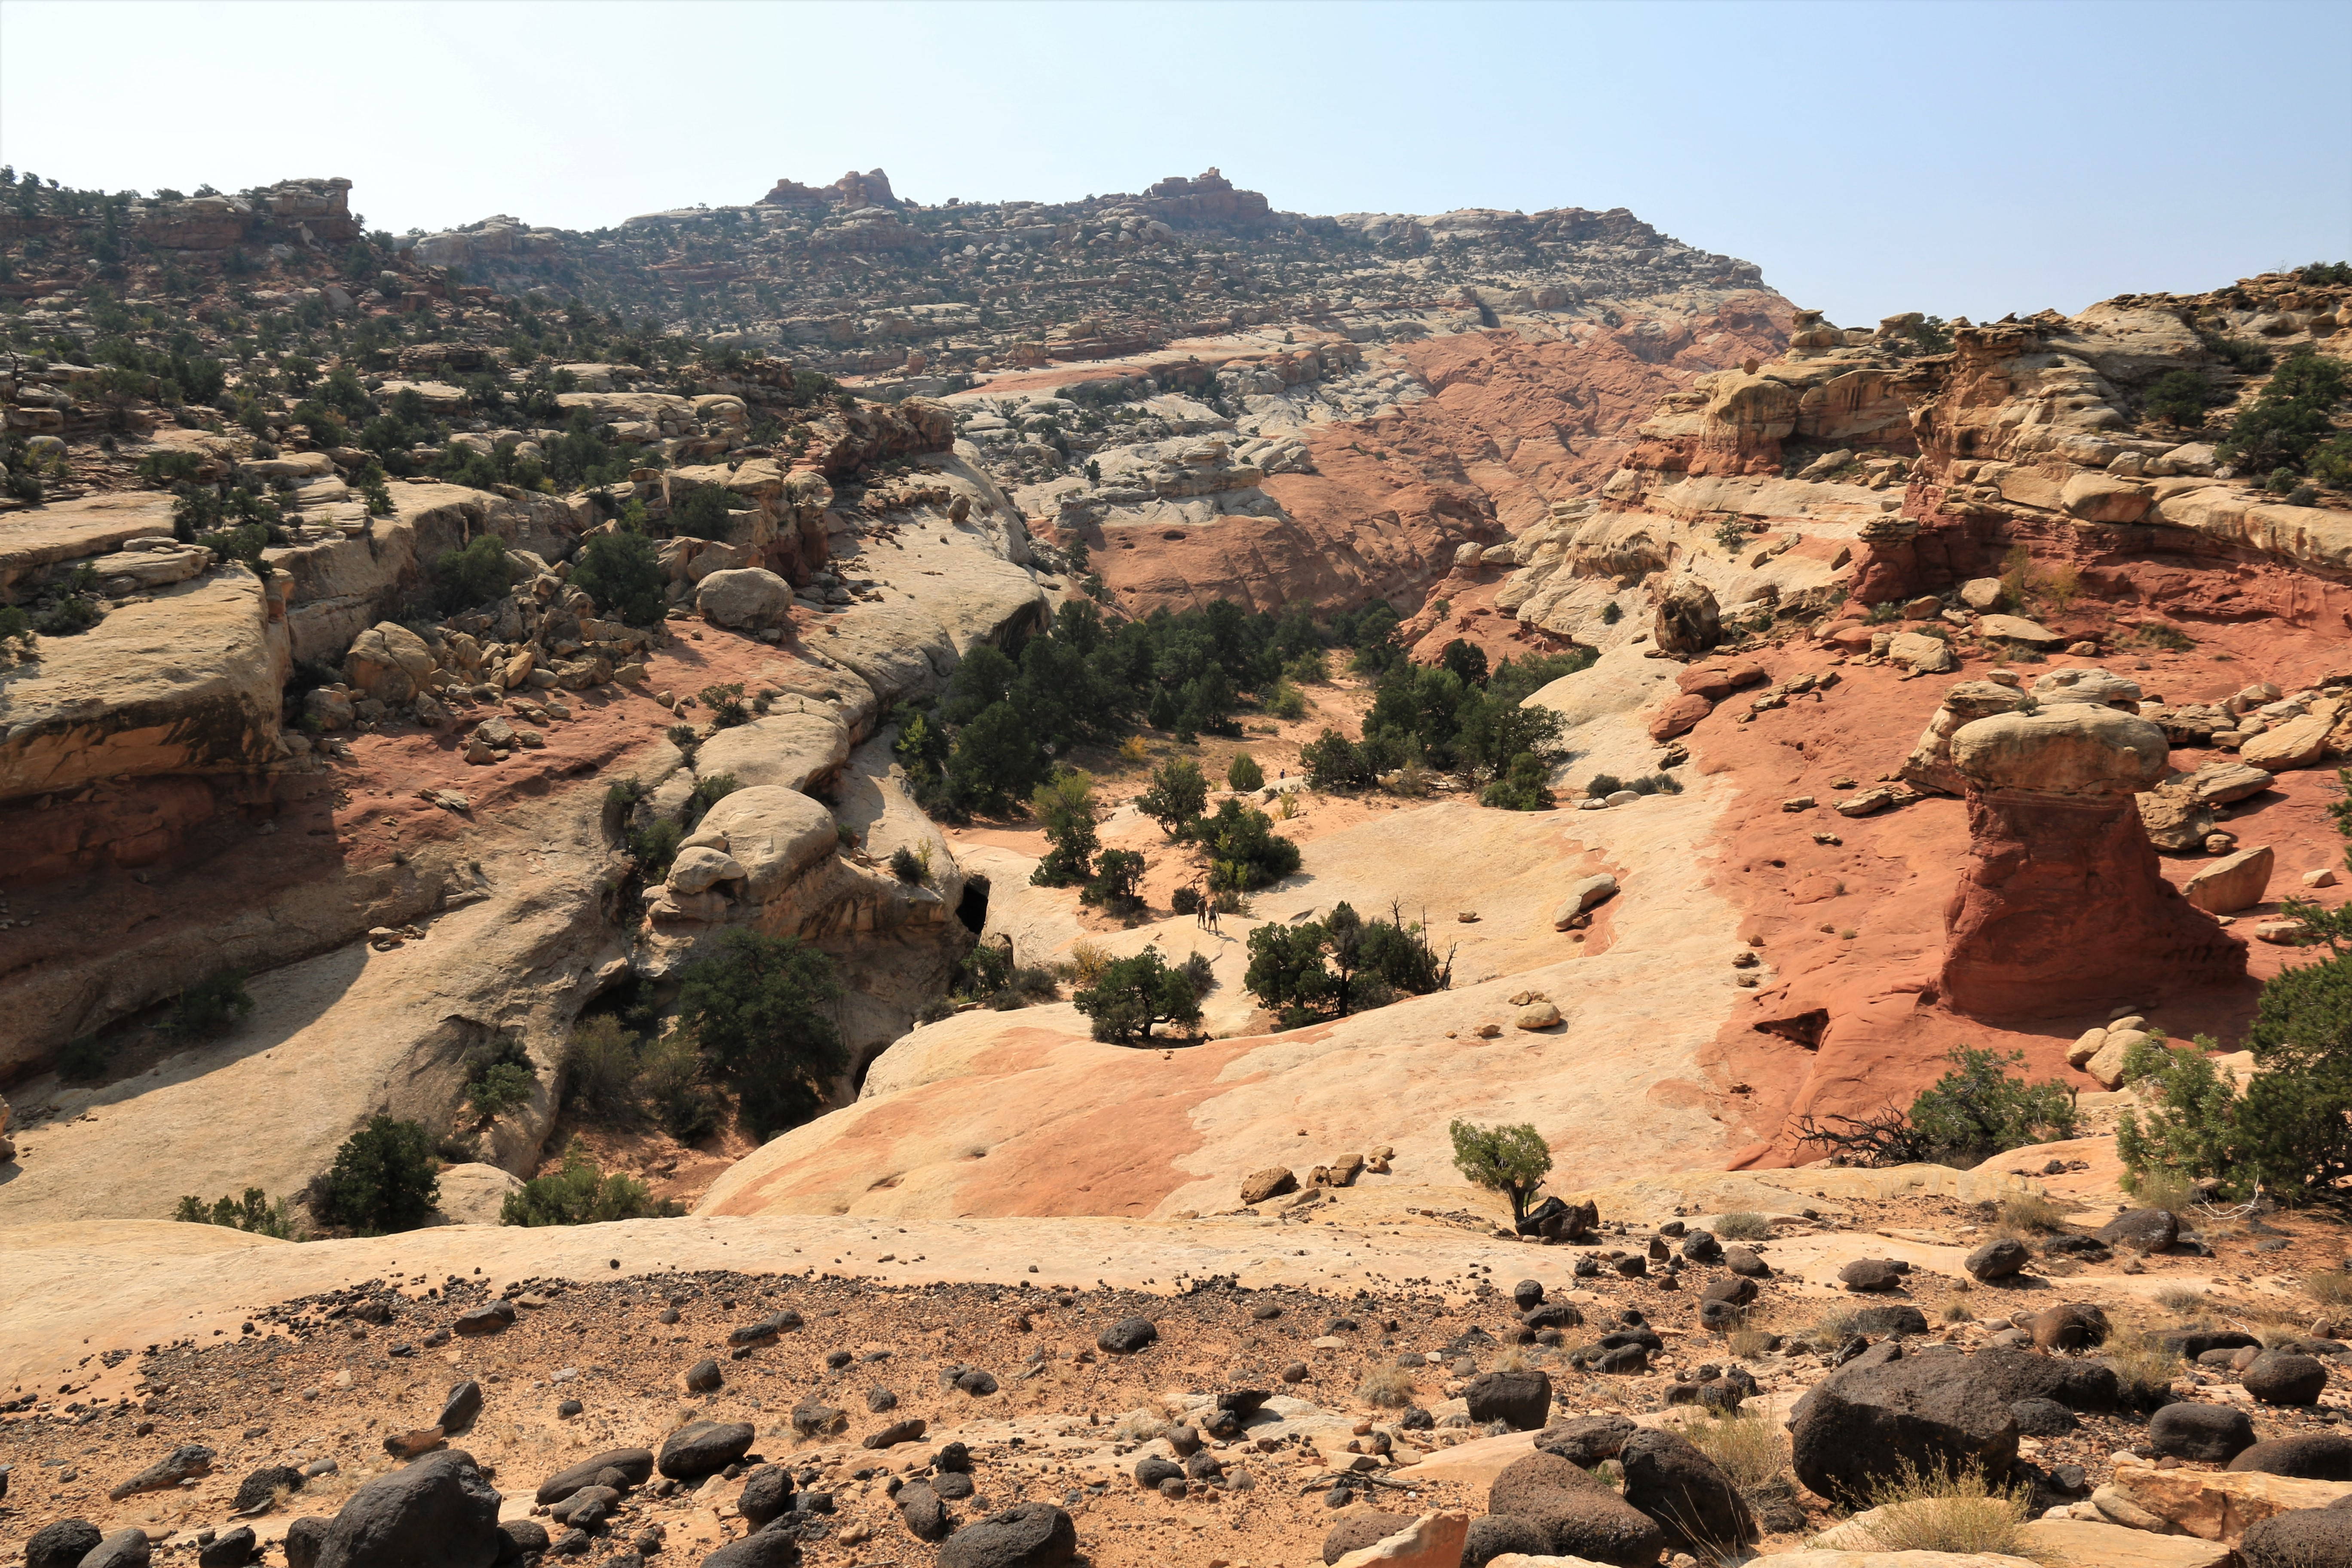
(2061, 903)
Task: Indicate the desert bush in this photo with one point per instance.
(1117, 874)
(1743, 1225)
(1243, 773)
(1185, 901)
(1064, 806)
(674, 1082)
(579, 1194)
(1386, 1387)
(1089, 958)
(2142, 1365)
(500, 1079)
(1749, 1449)
(2329, 1287)
(256, 1213)
(1525, 785)
(760, 1010)
(1341, 964)
(1132, 995)
(726, 703)
(704, 514)
(905, 865)
(1333, 762)
(1244, 852)
(621, 572)
(1957, 1510)
(473, 574)
(383, 1180)
(1746, 1344)
(210, 1007)
(1974, 1111)
(1176, 796)
(1512, 1160)
(1286, 702)
(2030, 1213)
(2188, 1303)
(1955, 1308)
(600, 1067)
(1601, 786)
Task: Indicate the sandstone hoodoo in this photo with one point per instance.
(2059, 869)
(851, 879)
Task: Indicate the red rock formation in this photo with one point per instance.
(2061, 903)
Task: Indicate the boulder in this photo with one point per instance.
(700, 1449)
(436, 1513)
(62, 1544)
(2285, 1377)
(1998, 1259)
(2102, 687)
(1899, 1320)
(2175, 818)
(1929, 765)
(2105, 1064)
(1359, 1528)
(2307, 1456)
(2142, 1230)
(387, 662)
(123, 1549)
(774, 835)
(1587, 893)
(2297, 744)
(1688, 622)
(2301, 1538)
(1272, 1182)
(2210, 1434)
(1433, 1541)
(2103, 498)
(232, 1549)
(2014, 1374)
(1862, 1424)
(187, 1460)
(1537, 1015)
(1586, 1440)
(2219, 783)
(2233, 882)
(1028, 1535)
(775, 1547)
(636, 1464)
(1579, 1515)
(1678, 715)
(1522, 1400)
(1871, 1274)
(699, 870)
(2042, 1418)
(2017, 629)
(2071, 1326)
(746, 599)
(1507, 1538)
(1127, 1336)
(1921, 654)
(1693, 1502)
(2216, 1505)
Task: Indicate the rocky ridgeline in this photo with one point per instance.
(956, 288)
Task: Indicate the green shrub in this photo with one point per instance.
(654, 847)
(1131, 994)
(1525, 786)
(500, 1079)
(1244, 852)
(1612, 613)
(1333, 762)
(256, 1214)
(209, 1008)
(1512, 1160)
(1343, 965)
(580, 1194)
(1117, 874)
(1243, 773)
(672, 1080)
(1064, 806)
(620, 571)
(383, 1180)
(726, 703)
(1286, 702)
(476, 575)
(1974, 1111)
(1599, 786)
(1185, 901)
(2291, 418)
(2185, 1130)
(84, 1061)
(905, 865)
(1176, 794)
(760, 1009)
(600, 1068)
(2181, 397)
(704, 514)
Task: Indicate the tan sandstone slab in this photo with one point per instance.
(2219, 1505)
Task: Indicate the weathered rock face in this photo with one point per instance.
(1688, 622)
(2061, 903)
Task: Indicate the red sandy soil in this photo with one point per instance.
(1856, 929)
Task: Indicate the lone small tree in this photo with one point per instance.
(385, 1179)
(1176, 796)
(1131, 994)
(1243, 773)
(1512, 1160)
(1065, 808)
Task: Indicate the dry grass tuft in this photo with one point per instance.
(1745, 1225)
(1386, 1387)
(2139, 1360)
(1748, 1344)
(1141, 1427)
(2030, 1214)
(2164, 1190)
(1956, 1310)
(2180, 1298)
(1940, 1511)
(1088, 959)
(1748, 1448)
(2329, 1287)
(1513, 1359)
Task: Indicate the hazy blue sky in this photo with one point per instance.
(1964, 158)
